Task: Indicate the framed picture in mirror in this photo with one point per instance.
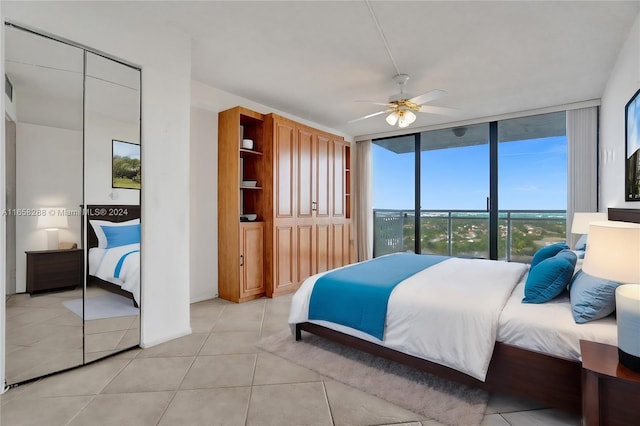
(125, 169)
(632, 149)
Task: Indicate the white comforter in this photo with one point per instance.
(103, 262)
(447, 313)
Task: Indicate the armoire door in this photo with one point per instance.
(284, 226)
(305, 203)
(251, 259)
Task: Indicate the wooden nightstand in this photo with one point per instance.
(54, 269)
(610, 391)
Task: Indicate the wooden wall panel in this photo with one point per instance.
(284, 149)
(338, 179)
(322, 248)
(322, 175)
(305, 267)
(305, 193)
(285, 259)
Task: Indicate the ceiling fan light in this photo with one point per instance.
(392, 118)
(410, 116)
(406, 118)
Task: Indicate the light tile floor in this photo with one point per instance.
(216, 376)
(42, 335)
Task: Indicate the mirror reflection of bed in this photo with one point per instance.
(112, 295)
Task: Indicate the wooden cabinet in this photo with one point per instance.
(49, 270)
(300, 199)
(310, 195)
(251, 260)
(243, 188)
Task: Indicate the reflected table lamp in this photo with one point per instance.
(581, 220)
(580, 226)
(613, 253)
(52, 223)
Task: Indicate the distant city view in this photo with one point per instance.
(459, 233)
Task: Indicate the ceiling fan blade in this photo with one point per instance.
(375, 103)
(367, 116)
(440, 110)
(431, 95)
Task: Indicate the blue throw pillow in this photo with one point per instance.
(122, 235)
(547, 252)
(548, 279)
(570, 255)
(592, 298)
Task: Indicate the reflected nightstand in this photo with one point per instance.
(49, 270)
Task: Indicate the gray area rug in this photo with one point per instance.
(420, 392)
(105, 306)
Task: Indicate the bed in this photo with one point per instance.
(543, 365)
(113, 260)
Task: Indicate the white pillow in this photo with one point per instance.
(97, 228)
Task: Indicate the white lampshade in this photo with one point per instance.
(613, 251)
(581, 220)
(54, 219)
(392, 118)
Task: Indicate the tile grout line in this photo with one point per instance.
(81, 410)
(253, 376)
(326, 399)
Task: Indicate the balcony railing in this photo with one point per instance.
(466, 232)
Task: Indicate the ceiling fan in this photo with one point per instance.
(402, 108)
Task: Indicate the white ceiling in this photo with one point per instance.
(314, 59)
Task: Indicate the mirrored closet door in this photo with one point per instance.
(112, 197)
(73, 205)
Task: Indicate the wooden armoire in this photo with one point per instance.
(302, 200)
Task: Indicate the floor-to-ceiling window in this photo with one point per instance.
(454, 187)
(532, 184)
(394, 194)
(489, 190)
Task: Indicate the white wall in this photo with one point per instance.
(99, 133)
(165, 58)
(3, 230)
(48, 174)
(206, 102)
(623, 83)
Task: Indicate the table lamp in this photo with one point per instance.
(613, 253)
(580, 226)
(52, 222)
(581, 220)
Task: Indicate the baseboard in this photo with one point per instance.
(164, 339)
(203, 296)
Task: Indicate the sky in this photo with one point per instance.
(126, 149)
(532, 175)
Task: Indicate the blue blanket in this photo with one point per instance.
(118, 268)
(357, 296)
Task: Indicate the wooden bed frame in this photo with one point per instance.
(553, 381)
(112, 213)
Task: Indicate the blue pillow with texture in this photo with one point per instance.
(547, 252)
(122, 235)
(570, 255)
(548, 279)
(592, 298)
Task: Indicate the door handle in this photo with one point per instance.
(314, 206)
(488, 204)
(242, 260)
